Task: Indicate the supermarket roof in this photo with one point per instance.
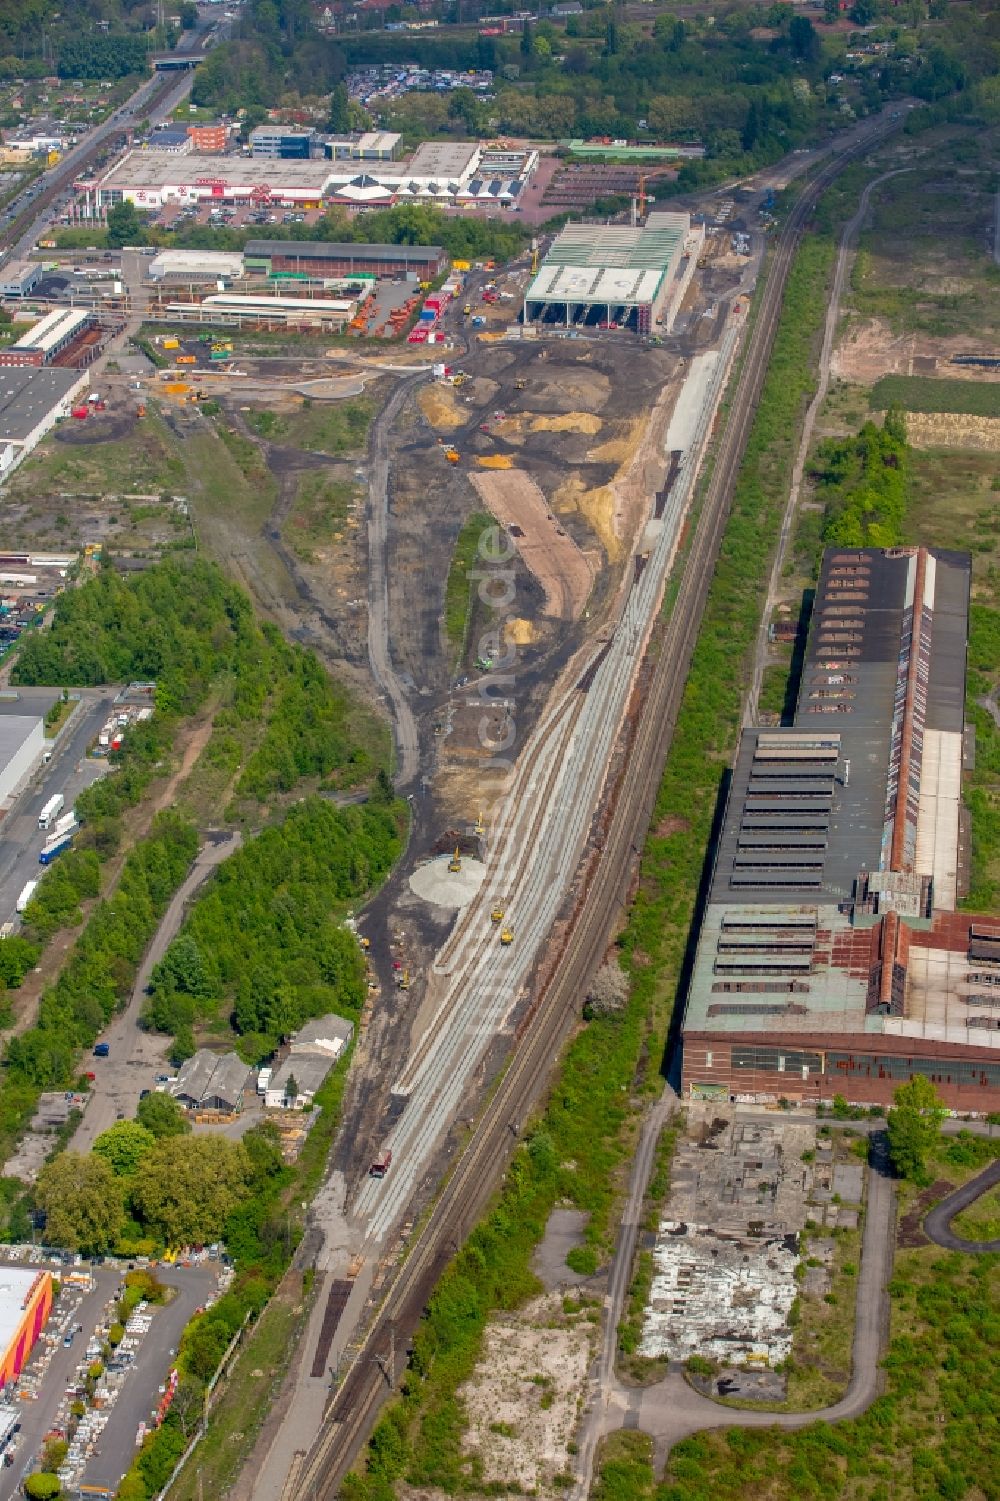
(27, 396)
(443, 159)
(166, 169)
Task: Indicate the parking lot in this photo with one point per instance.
(132, 1387)
(69, 772)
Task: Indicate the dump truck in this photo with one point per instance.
(52, 808)
(381, 1165)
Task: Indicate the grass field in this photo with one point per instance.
(916, 394)
(320, 513)
(331, 427)
(144, 462)
(458, 589)
(981, 1221)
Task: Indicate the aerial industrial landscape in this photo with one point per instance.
(499, 750)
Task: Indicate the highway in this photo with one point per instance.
(472, 960)
(154, 99)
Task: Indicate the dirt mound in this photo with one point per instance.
(953, 430)
(568, 388)
(619, 448)
(548, 551)
(568, 422)
(495, 461)
(596, 506)
(440, 406)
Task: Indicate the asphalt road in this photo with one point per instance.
(140, 1395)
(137, 1056)
(68, 772)
(937, 1225)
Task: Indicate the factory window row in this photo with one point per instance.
(938, 1070)
(772, 1060)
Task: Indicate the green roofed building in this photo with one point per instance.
(611, 274)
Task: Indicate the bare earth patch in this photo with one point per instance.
(569, 422)
(953, 430)
(870, 349)
(547, 549)
(440, 407)
(523, 1396)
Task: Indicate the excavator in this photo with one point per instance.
(496, 915)
(507, 937)
(455, 863)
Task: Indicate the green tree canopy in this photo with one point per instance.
(124, 1145)
(162, 1116)
(124, 225)
(185, 1188)
(83, 1202)
(42, 1486)
(914, 1125)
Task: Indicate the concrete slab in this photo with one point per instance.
(435, 883)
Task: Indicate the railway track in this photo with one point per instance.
(352, 1411)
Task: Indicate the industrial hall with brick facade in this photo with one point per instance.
(832, 958)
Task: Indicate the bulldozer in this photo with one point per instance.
(497, 914)
(507, 937)
(451, 454)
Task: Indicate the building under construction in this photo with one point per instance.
(831, 958)
(614, 276)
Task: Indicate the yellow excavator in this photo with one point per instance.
(507, 937)
(497, 914)
(455, 863)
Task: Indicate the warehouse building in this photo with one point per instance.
(369, 146)
(319, 259)
(25, 1305)
(312, 1053)
(18, 278)
(32, 401)
(212, 1082)
(238, 310)
(22, 744)
(195, 266)
(831, 958)
(50, 337)
(614, 275)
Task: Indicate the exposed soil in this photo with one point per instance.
(548, 551)
(953, 430)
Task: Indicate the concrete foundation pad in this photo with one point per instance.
(434, 882)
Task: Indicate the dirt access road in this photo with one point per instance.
(548, 550)
(404, 724)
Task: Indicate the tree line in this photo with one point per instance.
(262, 946)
